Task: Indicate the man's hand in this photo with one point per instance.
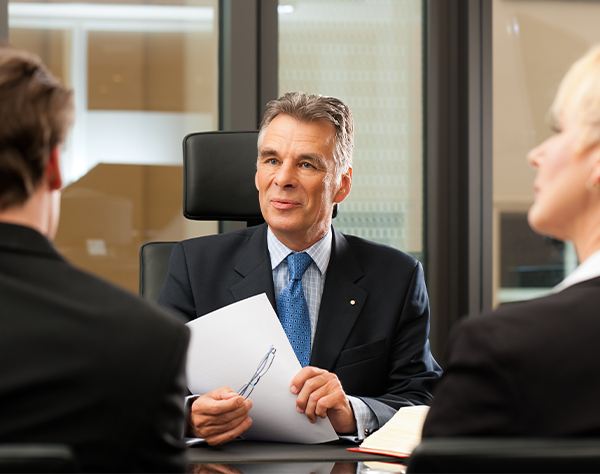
(320, 394)
(219, 416)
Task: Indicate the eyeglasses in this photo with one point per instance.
(263, 367)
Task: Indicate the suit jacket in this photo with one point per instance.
(87, 364)
(526, 369)
(377, 346)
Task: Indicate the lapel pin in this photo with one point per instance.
(352, 302)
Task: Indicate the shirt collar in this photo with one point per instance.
(586, 271)
(319, 252)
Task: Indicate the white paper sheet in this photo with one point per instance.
(226, 347)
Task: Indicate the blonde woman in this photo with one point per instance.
(533, 368)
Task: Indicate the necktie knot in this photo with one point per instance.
(297, 264)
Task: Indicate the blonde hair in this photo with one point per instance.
(579, 97)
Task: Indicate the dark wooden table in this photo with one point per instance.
(250, 457)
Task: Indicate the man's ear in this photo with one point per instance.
(345, 185)
(52, 171)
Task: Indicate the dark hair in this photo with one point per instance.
(309, 108)
(36, 112)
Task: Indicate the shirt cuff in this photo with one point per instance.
(366, 421)
(187, 408)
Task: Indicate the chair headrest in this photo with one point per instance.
(218, 176)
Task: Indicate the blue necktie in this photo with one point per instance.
(293, 310)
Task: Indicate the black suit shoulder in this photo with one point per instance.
(235, 237)
(203, 271)
(96, 306)
(382, 268)
(389, 275)
(219, 249)
(523, 370)
(367, 250)
(554, 320)
(79, 351)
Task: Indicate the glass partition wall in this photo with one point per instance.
(144, 75)
(534, 44)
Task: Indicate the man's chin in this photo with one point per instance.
(285, 228)
(288, 220)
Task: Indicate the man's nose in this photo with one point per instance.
(286, 175)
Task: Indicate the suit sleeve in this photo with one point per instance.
(413, 372)
(160, 447)
(176, 292)
(476, 395)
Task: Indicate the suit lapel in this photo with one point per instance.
(340, 306)
(255, 268)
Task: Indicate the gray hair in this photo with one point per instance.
(308, 108)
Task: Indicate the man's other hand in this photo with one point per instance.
(220, 416)
(320, 394)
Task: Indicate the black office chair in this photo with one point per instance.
(37, 458)
(517, 455)
(154, 263)
(218, 177)
(218, 184)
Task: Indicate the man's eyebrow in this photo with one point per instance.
(264, 152)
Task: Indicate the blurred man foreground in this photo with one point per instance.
(73, 348)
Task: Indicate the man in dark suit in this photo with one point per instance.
(364, 321)
(83, 362)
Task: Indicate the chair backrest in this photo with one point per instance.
(484, 455)
(218, 184)
(37, 458)
(218, 176)
(154, 262)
